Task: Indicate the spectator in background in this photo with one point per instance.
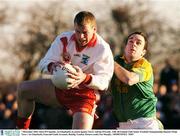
(163, 105)
(8, 110)
(168, 76)
(2, 109)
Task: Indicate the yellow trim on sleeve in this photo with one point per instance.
(143, 68)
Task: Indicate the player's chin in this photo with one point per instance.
(133, 54)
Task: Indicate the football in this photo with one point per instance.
(59, 78)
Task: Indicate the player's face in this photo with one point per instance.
(84, 33)
(134, 49)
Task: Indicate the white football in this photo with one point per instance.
(59, 78)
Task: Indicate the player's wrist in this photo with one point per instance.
(87, 79)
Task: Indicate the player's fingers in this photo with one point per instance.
(71, 72)
(76, 77)
(73, 84)
(77, 68)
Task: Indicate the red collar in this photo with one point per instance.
(91, 43)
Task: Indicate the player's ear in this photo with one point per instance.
(95, 29)
(143, 52)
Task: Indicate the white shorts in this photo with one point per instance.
(142, 123)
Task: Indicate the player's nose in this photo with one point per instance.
(81, 35)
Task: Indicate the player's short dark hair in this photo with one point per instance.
(85, 17)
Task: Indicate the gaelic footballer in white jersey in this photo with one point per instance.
(97, 60)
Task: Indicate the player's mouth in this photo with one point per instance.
(82, 42)
(133, 50)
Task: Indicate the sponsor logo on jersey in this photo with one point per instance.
(66, 56)
(85, 59)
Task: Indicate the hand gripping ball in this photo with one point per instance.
(59, 77)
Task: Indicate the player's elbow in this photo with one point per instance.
(130, 82)
(132, 79)
(99, 87)
(102, 87)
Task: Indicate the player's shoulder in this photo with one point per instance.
(101, 41)
(143, 62)
(102, 44)
(67, 34)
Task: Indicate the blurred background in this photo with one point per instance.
(27, 28)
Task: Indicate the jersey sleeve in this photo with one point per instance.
(53, 55)
(102, 71)
(144, 69)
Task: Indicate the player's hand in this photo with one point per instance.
(78, 77)
(52, 66)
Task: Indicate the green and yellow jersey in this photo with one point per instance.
(138, 100)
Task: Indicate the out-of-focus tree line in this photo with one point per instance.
(39, 30)
(42, 24)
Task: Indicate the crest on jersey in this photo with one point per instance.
(66, 56)
(85, 59)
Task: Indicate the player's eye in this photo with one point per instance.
(138, 43)
(130, 41)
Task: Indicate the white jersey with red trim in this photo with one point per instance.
(96, 60)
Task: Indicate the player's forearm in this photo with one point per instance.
(103, 74)
(43, 65)
(52, 55)
(125, 76)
